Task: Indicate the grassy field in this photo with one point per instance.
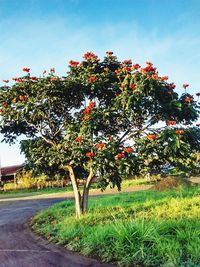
(30, 192)
(131, 229)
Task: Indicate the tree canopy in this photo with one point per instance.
(105, 119)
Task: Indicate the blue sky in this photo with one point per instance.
(48, 33)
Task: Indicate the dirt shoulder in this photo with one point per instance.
(93, 192)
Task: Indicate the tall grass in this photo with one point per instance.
(131, 229)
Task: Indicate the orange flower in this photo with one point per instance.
(171, 122)
(33, 78)
(79, 139)
(132, 86)
(53, 79)
(188, 99)
(152, 136)
(1, 110)
(26, 69)
(179, 131)
(92, 78)
(164, 78)
(73, 63)
(87, 111)
(136, 66)
(185, 85)
(89, 154)
(120, 156)
(100, 146)
(89, 108)
(127, 69)
(119, 71)
(128, 149)
(86, 117)
(89, 56)
(23, 97)
(127, 62)
(92, 104)
(171, 85)
(109, 53)
(154, 76)
(149, 68)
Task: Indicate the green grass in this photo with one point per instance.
(31, 192)
(144, 228)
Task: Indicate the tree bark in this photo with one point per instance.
(81, 202)
(77, 194)
(86, 191)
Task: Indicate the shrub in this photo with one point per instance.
(171, 182)
(10, 186)
(26, 180)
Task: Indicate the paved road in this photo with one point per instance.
(19, 247)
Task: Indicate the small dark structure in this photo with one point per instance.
(8, 174)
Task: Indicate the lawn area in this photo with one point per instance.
(146, 228)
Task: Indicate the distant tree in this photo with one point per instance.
(105, 119)
(174, 148)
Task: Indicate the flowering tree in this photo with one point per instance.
(105, 120)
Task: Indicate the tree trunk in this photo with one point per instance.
(81, 202)
(86, 191)
(77, 194)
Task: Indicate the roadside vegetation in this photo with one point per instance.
(148, 228)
